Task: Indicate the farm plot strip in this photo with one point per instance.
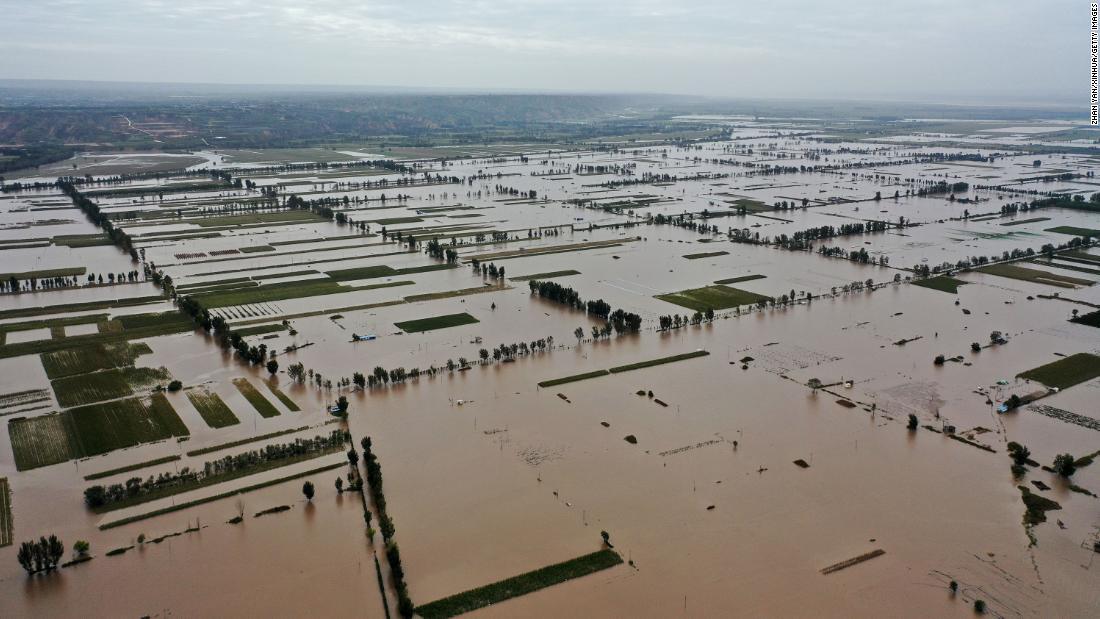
(212, 409)
(1066, 372)
(264, 407)
(623, 368)
(523, 584)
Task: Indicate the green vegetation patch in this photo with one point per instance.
(716, 297)
(1091, 319)
(1081, 255)
(213, 410)
(1074, 231)
(7, 525)
(543, 276)
(264, 407)
(662, 360)
(25, 312)
(252, 249)
(1037, 506)
(131, 467)
(75, 241)
(436, 322)
(270, 292)
(1066, 372)
(296, 216)
(942, 283)
(574, 378)
(91, 357)
(1034, 275)
(244, 441)
(706, 254)
(389, 221)
(1021, 222)
(519, 585)
(284, 398)
(92, 430)
(103, 385)
(737, 280)
(261, 329)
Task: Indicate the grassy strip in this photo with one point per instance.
(244, 441)
(284, 398)
(261, 329)
(103, 385)
(1035, 275)
(1067, 267)
(706, 254)
(7, 525)
(270, 292)
(652, 362)
(218, 497)
(435, 322)
(1091, 319)
(26, 312)
(1021, 222)
(716, 297)
(52, 323)
(547, 275)
(550, 249)
(265, 408)
(132, 467)
(212, 409)
(1075, 231)
(942, 283)
(520, 585)
(213, 480)
(574, 378)
(462, 292)
(738, 280)
(255, 248)
(1066, 372)
(1079, 254)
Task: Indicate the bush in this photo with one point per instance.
(81, 547)
(175, 386)
(1019, 470)
(939, 360)
(1065, 465)
(912, 421)
(979, 606)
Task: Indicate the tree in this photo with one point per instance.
(353, 457)
(579, 332)
(1065, 465)
(342, 404)
(26, 556)
(307, 489)
(54, 550)
(272, 366)
(1019, 453)
(340, 484)
(913, 421)
(814, 383)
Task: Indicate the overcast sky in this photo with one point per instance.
(950, 50)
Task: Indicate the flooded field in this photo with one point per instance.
(777, 371)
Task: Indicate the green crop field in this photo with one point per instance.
(103, 385)
(1075, 231)
(1066, 372)
(92, 430)
(547, 275)
(435, 322)
(706, 254)
(1034, 275)
(737, 280)
(284, 398)
(942, 283)
(516, 586)
(264, 407)
(213, 410)
(716, 297)
(91, 357)
(7, 525)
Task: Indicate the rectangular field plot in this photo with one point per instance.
(103, 385)
(1066, 372)
(91, 357)
(262, 405)
(213, 410)
(92, 430)
(716, 297)
(436, 322)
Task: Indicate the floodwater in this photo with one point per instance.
(708, 505)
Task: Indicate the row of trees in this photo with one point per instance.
(42, 555)
(99, 496)
(385, 525)
(675, 321)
